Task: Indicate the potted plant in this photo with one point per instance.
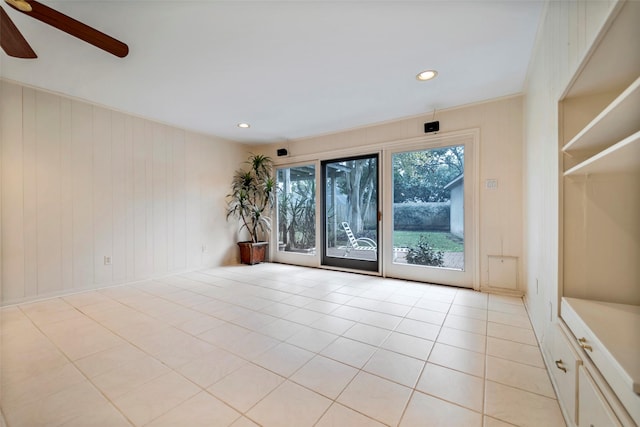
(251, 202)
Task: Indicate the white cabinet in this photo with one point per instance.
(599, 241)
(565, 372)
(585, 395)
(609, 334)
(605, 339)
(593, 409)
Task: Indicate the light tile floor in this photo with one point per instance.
(273, 345)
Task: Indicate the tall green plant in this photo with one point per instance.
(252, 196)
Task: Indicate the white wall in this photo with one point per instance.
(500, 124)
(567, 30)
(80, 182)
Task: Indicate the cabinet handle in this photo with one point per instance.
(560, 365)
(583, 344)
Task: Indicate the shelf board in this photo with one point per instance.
(622, 157)
(613, 58)
(619, 119)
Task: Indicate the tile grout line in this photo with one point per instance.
(71, 362)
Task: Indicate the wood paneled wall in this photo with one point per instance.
(80, 183)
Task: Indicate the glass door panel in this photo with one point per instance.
(296, 211)
(428, 207)
(350, 210)
(430, 215)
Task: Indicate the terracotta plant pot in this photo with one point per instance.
(253, 253)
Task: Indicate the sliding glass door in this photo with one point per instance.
(409, 212)
(430, 219)
(350, 213)
(296, 215)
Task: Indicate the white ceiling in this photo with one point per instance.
(289, 68)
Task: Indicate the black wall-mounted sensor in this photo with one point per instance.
(282, 152)
(432, 127)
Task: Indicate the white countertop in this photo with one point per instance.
(617, 328)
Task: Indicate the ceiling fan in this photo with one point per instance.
(14, 44)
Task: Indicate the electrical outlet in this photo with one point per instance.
(537, 286)
(107, 260)
(204, 248)
(550, 312)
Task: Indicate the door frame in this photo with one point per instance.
(348, 263)
(470, 276)
(385, 254)
(295, 258)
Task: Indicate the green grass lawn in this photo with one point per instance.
(440, 240)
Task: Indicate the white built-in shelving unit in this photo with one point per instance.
(596, 349)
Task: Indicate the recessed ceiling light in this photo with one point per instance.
(244, 125)
(427, 75)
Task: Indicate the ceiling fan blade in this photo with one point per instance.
(11, 39)
(75, 28)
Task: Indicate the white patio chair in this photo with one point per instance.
(360, 243)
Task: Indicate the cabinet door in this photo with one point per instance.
(593, 409)
(565, 371)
